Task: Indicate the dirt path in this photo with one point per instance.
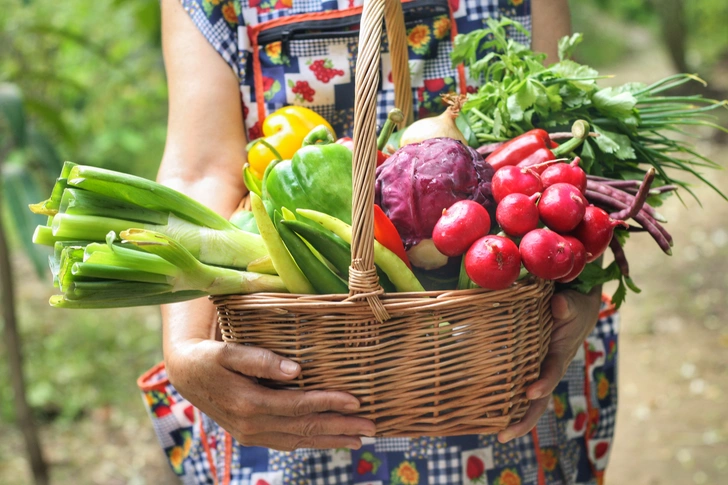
(672, 425)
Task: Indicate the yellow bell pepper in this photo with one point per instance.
(285, 130)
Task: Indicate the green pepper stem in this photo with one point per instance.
(580, 130)
(320, 134)
(394, 118)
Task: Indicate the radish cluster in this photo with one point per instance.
(549, 227)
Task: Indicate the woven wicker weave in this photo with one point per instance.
(434, 363)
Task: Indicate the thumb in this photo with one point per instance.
(257, 362)
(563, 306)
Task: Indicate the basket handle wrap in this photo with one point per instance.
(363, 279)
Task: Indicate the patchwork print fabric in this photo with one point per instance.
(303, 52)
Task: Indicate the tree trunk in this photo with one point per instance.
(674, 31)
(15, 361)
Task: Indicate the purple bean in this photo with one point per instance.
(567, 135)
(657, 232)
(619, 257)
(489, 148)
(624, 197)
(639, 200)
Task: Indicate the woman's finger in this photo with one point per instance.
(300, 403)
(527, 423)
(257, 362)
(552, 370)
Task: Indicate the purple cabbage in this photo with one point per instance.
(418, 181)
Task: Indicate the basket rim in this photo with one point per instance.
(529, 283)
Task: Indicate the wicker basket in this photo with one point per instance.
(435, 363)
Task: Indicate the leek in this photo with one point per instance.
(87, 203)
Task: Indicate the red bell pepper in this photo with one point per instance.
(535, 147)
(349, 143)
(388, 236)
(520, 147)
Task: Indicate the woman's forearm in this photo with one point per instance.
(551, 21)
(205, 149)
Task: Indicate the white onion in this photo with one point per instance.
(442, 126)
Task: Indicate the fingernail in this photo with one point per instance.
(288, 367)
(354, 446)
(504, 437)
(536, 395)
(352, 406)
(368, 432)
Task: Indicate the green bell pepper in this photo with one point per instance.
(318, 177)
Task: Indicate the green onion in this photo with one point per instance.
(147, 268)
(87, 203)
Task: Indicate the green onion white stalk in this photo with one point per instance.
(87, 203)
(146, 268)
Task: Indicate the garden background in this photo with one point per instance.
(93, 91)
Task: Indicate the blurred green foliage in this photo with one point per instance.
(92, 80)
(604, 20)
(92, 75)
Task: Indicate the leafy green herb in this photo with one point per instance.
(594, 275)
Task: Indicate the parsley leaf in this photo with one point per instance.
(568, 44)
(615, 143)
(614, 104)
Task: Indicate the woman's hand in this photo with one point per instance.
(220, 379)
(575, 315)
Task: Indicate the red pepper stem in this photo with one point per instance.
(394, 118)
(580, 130)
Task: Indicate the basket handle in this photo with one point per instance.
(363, 279)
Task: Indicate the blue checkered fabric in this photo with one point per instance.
(307, 6)
(479, 9)
(385, 445)
(607, 327)
(444, 466)
(441, 66)
(218, 33)
(323, 472)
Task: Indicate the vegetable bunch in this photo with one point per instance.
(632, 121)
(121, 240)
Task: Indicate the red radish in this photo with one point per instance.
(562, 207)
(565, 173)
(595, 231)
(546, 254)
(460, 225)
(580, 255)
(514, 180)
(493, 262)
(517, 214)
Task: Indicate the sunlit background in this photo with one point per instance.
(93, 89)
